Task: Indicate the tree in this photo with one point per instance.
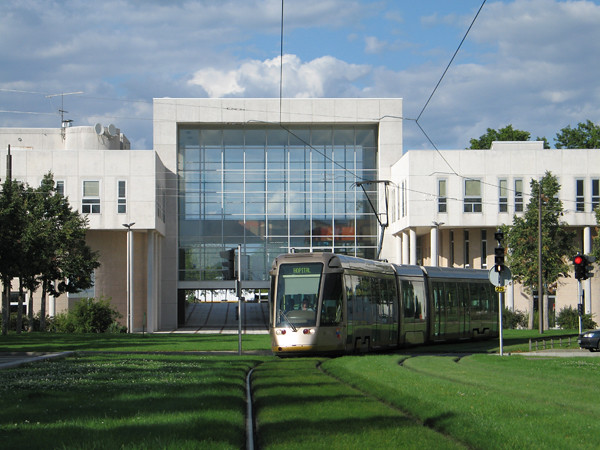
(508, 133)
(586, 135)
(557, 242)
(12, 219)
(42, 243)
(67, 262)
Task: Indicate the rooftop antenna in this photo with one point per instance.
(63, 123)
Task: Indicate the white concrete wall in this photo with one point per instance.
(70, 138)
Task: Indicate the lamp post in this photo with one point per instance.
(129, 276)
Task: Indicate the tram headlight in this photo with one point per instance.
(308, 331)
(280, 331)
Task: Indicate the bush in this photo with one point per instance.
(514, 319)
(88, 316)
(568, 318)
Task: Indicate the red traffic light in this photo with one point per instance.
(578, 260)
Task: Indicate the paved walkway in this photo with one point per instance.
(16, 359)
(222, 318)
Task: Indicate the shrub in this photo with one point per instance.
(568, 318)
(88, 316)
(514, 319)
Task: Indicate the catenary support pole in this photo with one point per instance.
(239, 292)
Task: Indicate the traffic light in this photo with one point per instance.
(228, 264)
(498, 259)
(589, 266)
(579, 262)
(583, 266)
(580, 309)
(499, 252)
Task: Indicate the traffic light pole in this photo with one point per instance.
(579, 308)
(500, 310)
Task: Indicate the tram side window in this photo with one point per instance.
(475, 300)
(351, 286)
(489, 302)
(389, 296)
(331, 310)
(452, 297)
(439, 301)
(419, 290)
(408, 299)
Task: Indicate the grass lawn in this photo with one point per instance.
(486, 401)
(159, 342)
(116, 401)
(187, 400)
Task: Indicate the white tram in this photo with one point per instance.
(327, 303)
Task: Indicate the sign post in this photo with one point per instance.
(500, 279)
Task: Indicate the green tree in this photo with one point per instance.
(12, 219)
(42, 243)
(586, 135)
(508, 133)
(596, 238)
(67, 263)
(557, 242)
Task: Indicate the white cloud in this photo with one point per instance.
(374, 45)
(324, 76)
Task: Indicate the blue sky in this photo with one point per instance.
(530, 63)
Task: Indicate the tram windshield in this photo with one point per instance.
(297, 295)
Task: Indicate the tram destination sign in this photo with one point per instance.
(301, 269)
(500, 279)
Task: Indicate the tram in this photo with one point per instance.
(328, 303)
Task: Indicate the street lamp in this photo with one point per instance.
(129, 276)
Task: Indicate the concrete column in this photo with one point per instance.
(151, 276)
(405, 248)
(51, 305)
(398, 251)
(434, 246)
(509, 297)
(413, 246)
(587, 284)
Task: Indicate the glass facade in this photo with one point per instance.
(272, 189)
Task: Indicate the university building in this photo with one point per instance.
(277, 176)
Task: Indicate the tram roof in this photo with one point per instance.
(456, 272)
(408, 270)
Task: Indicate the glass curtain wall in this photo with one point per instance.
(272, 189)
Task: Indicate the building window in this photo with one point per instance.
(595, 193)
(451, 249)
(519, 195)
(579, 196)
(121, 197)
(403, 200)
(442, 197)
(90, 202)
(273, 189)
(484, 249)
(472, 199)
(503, 195)
(466, 249)
(60, 187)
(86, 293)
